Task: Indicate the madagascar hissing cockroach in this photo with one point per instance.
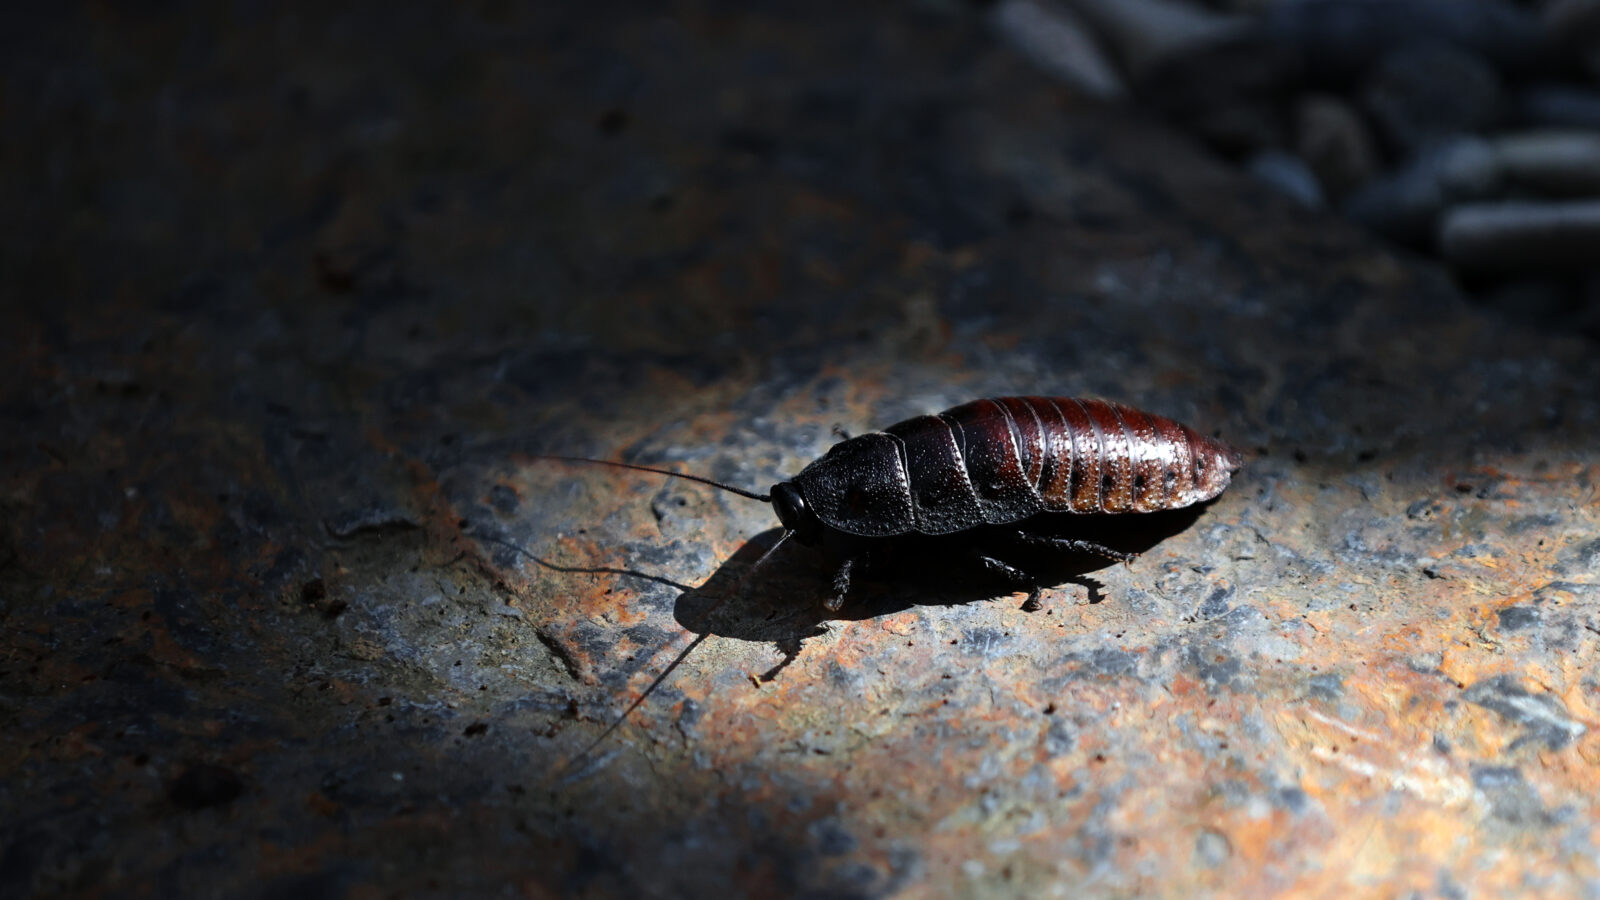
(997, 464)
(992, 462)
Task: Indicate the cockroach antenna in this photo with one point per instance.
(764, 498)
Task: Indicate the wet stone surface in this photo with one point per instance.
(294, 302)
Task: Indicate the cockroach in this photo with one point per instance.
(992, 462)
(999, 463)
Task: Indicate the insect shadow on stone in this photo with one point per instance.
(990, 481)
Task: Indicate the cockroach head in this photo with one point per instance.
(795, 514)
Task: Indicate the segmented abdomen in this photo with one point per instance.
(1006, 458)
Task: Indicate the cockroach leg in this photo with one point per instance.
(1016, 576)
(841, 586)
(1075, 545)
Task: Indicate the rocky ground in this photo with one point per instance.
(295, 298)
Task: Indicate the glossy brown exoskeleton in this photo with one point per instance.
(1000, 461)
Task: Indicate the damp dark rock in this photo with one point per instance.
(203, 785)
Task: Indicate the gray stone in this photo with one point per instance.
(1145, 32)
(1521, 236)
(1057, 40)
(1333, 139)
(1556, 163)
(1422, 93)
(1288, 175)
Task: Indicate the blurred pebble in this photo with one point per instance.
(1523, 237)
(1333, 139)
(1559, 105)
(1421, 93)
(1340, 38)
(1144, 32)
(1557, 163)
(1289, 175)
(1405, 204)
(1058, 42)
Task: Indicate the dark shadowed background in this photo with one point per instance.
(293, 294)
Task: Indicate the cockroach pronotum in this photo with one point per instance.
(996, 463)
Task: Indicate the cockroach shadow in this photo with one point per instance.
(782, 600)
